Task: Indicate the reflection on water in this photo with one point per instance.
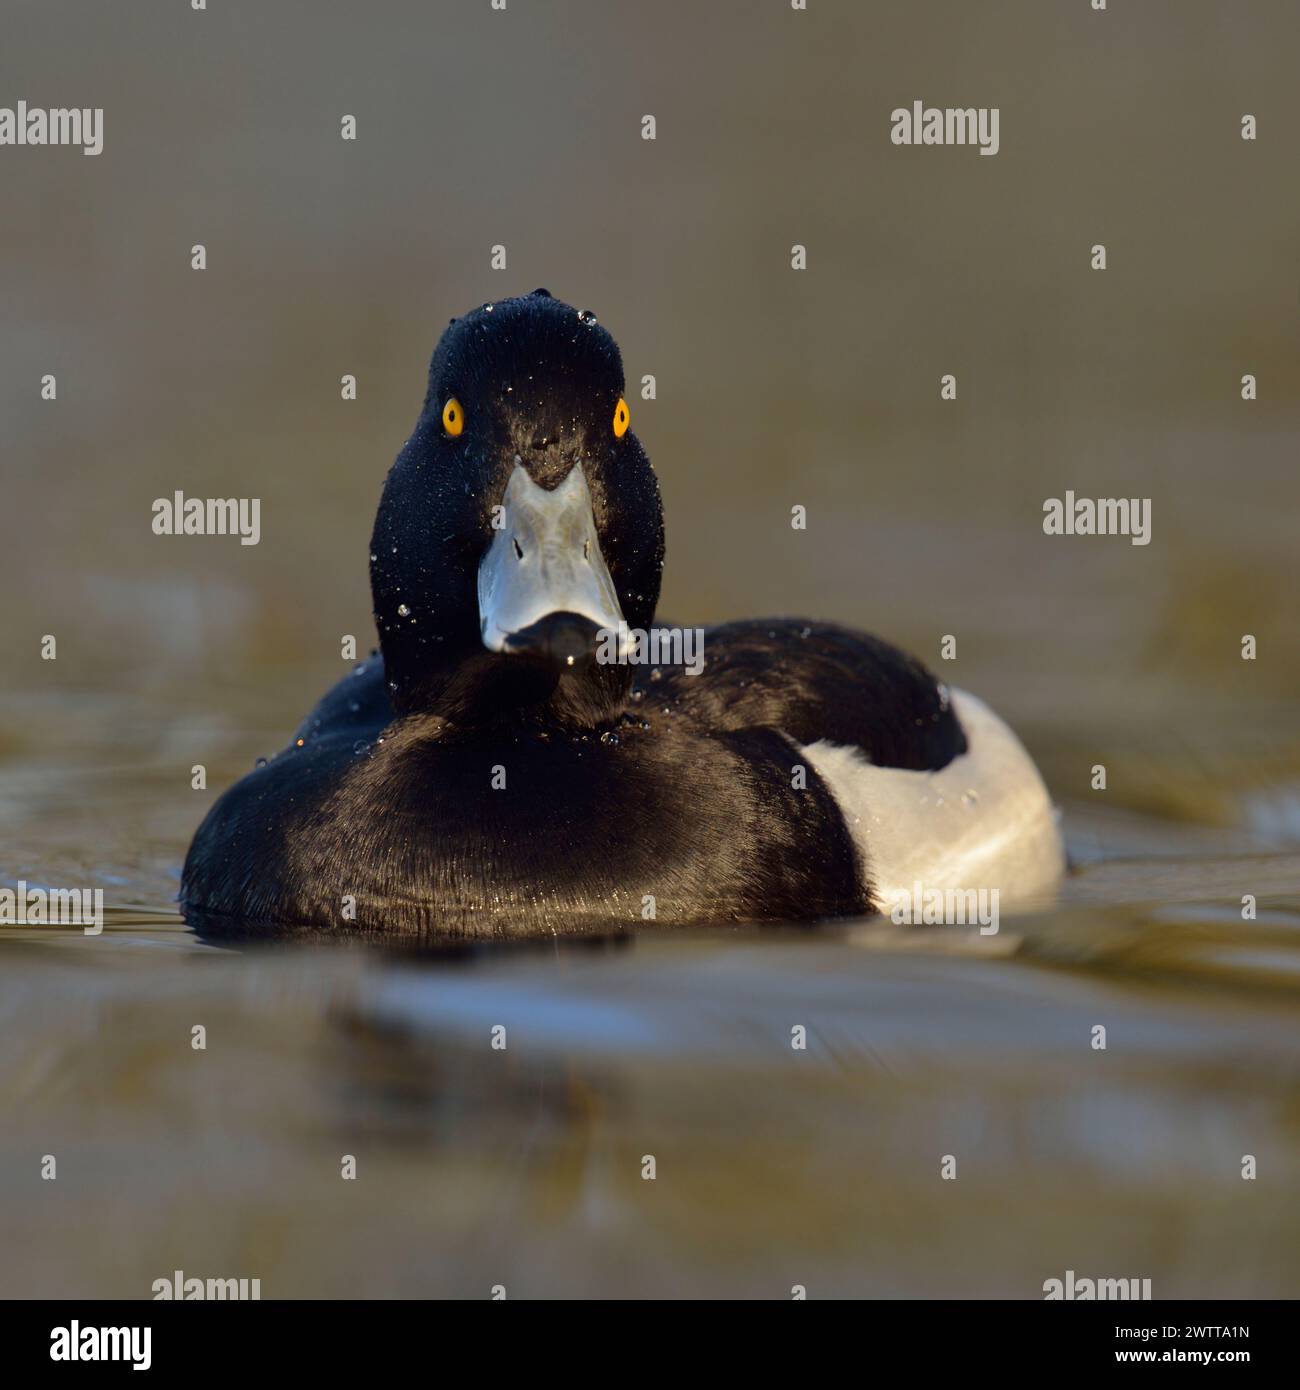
(774, 1166)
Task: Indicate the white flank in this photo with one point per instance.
(984, 821)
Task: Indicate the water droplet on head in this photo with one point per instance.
(586, 316)
(261, 762)
(360, 746)
(403, 610)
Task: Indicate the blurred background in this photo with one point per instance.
(774, 387)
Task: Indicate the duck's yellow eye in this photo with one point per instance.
(621, 418)
(453, 417)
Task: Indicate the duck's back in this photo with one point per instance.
(935, 789)
(816, 681)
